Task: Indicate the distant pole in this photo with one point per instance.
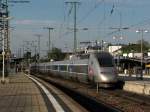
(39, 48)
(23, 50)
(35, 52)
(49, 43)
(3, 52)
(102, 45)
(75, 23)
(4, 19)
(141, 31)
(142, 50)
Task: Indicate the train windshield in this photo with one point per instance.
(105, 60)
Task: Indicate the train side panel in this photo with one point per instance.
(96, 68)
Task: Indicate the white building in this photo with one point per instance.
(114, 50)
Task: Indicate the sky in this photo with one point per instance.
(101, 17)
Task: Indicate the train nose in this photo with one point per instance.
(108, 77)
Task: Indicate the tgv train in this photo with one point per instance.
(98, 68)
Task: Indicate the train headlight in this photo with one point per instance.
(104, 78)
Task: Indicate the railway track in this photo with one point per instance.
(118, 99)
(67, 104)
(90, 104)
(128, 102)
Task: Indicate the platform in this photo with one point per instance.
(136, 85)
(20, 94)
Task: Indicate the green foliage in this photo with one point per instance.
(56, 54)
(27, 55)
(144, 42)
(35, 58)
(136, 47)
(44, 60)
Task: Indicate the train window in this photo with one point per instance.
(106, 61)
(78, 68)
(84, 56)
(63, 67)
(54, 67)
(83, 69)
(48, 67)
(41, 67)
(70, 68)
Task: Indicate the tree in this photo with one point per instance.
(136, 47)
(56, 54)
(35, 58)
(144, 42)
(145, 45)
(27, 55)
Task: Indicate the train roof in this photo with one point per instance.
(77, 59)
(69, 62)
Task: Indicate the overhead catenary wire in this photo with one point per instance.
(112, 10)
(131, 27)
(90, 11)
(84, 17)
(62, 24)
(66, 22)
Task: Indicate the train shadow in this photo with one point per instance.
(119, 84)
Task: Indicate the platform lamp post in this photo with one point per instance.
(3, 46)
(142, 31)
